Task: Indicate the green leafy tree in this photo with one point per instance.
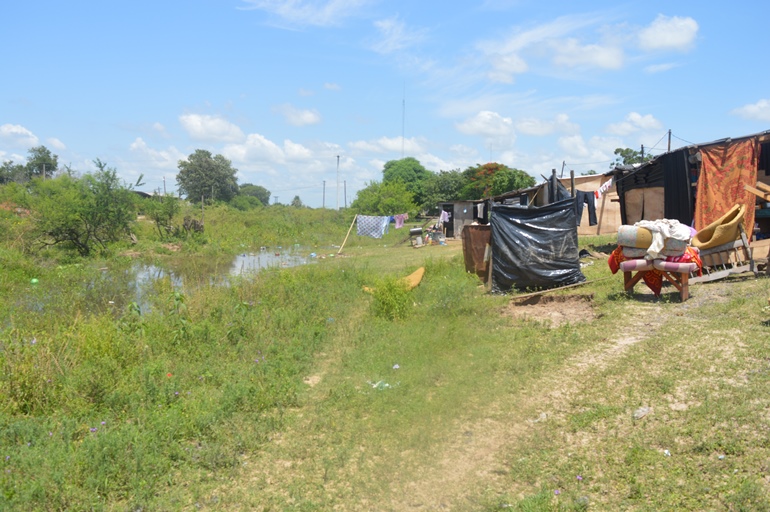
(84, 213)
(245, 203)
(261, 193)
(628, 156)
(162, 210)
(379, 198)
(441, 187)
(12, 173)
(297, 202)
(411, 173)
(493, 179)
(41, 163)
(203, 175)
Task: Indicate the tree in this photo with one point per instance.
(493, 179)
(628, 156)
(261, 193)
(41, 163)
(441, 187)
(410, 172)
(297, 202)
(203, 175)
(11, 172)
(380, 198)
(83, 213)
(161, 210)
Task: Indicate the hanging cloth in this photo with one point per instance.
(373, 226)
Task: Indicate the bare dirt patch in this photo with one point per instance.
(555, 310)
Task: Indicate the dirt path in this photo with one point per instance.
(473, 457)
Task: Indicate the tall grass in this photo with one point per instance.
(103, 405)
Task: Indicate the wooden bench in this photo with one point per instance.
(677, 274)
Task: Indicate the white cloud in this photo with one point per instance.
(56, 143)
(388, 145)
(305, 92)
(464, 152)
(506, 56)
(294, 151)
(540, 127)
(298, 117)
(395, 36)
(506, 67)
(309, 12)
(660, 68)
(487, 124)
(597, 151)
(759, 111)
(634, 122)
(572, 54)
(255, 148)
(210, 128)
(18, 135)
(496, 130)
(332, 86)
(159, 129)
(669, 33)
(162, 159)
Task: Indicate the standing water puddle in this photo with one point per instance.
(212, 272)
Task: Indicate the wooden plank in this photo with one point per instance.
(763, 186)
(533, 294)
(757, 192)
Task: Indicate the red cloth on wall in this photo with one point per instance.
(725, 169)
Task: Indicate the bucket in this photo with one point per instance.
(415, 232)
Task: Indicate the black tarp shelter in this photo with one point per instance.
(535, 247)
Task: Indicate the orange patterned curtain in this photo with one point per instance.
(726, 168)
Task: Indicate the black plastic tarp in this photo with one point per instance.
(534, 247)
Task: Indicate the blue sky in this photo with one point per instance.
(283, 88)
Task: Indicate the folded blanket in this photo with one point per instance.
(671, 247)
(633, 236)
(663, 229)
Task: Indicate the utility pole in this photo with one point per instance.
(338, 182)
(345, 192)
(323, 201)
(642, 153)
(669, 140)
(164, 185)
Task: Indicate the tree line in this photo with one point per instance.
(407, 186)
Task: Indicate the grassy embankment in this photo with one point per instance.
(296, 390)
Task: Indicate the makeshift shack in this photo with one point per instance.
(461, 213)
(598, 210)
(607, 207)
(697, 184)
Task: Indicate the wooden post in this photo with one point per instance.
(572, 181)
(346, 236)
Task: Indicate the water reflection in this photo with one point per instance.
(112, 289)
(244, 264)
(148, 280)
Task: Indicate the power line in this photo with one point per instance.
(687, 141)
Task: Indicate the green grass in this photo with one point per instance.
(298, 390)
